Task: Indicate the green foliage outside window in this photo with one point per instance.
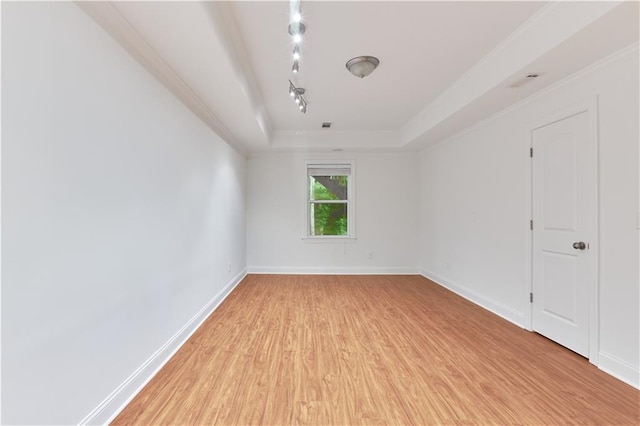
(328, 218)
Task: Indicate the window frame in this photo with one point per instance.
(350, 202)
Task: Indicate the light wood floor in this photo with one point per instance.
(371, 350)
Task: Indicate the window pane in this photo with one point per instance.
(328, 219)
(328, 187)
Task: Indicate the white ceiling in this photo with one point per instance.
(443, 65)
(423, 47)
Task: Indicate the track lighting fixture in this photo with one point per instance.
(296, 30)
(298, 97)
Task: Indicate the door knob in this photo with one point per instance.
(579, 245)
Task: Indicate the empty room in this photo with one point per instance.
(320, 212)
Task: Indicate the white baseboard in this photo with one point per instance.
(123, 394)
(621, 370)
(347, 270)
(611, 365)
(515, 317)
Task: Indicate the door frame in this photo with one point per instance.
(589, 106)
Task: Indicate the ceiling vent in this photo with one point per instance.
(326, 125)
(524, 80)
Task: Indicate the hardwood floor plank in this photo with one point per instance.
(349, 350)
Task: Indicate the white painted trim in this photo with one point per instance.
(528, 250)
(113, 404)
(590, 106)
(620, 369)
(1, 422)
(493, 306)
(349, 270)
(327, 239)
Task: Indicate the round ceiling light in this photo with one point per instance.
(362, 66)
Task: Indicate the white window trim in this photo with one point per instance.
(351, 210)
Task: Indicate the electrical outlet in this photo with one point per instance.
(370, 256)
(229, 267)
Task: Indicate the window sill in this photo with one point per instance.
(329, 239)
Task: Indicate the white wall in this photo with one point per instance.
(474, 214)
(386, 216)
(121, 212)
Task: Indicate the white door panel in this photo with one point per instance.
(560, 286)
(563, 214)
(559, 197)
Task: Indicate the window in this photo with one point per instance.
(330, 207)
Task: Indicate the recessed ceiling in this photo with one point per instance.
(443, 65)
(422, 46)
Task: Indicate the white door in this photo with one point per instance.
(564, 227)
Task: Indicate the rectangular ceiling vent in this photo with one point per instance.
(326, 125)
